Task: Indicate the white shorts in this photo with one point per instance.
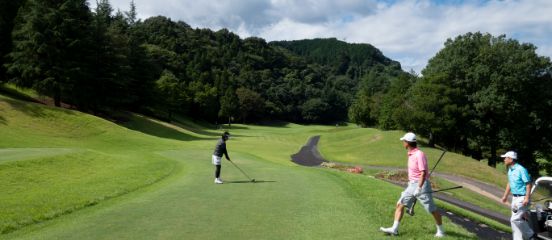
(216, 160)
(426, 199)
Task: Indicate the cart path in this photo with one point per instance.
(309, 156)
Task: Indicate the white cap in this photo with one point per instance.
(510, 154)
(409, 137)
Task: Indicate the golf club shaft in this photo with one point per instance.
(441, 190)
(441, 157)
(240, 170)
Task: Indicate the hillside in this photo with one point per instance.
(354, 59)
(55, 161)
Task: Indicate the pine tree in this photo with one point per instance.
(8, 12)
(50, 39)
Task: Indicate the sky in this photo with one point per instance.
(409, 31)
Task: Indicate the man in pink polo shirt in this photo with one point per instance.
(418, 187)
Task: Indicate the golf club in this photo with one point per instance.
(410, 210)
(250, 179)
(441, 190)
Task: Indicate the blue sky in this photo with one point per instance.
(409, 31)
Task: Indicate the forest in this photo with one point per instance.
(479, 95)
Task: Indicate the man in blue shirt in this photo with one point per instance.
(519, 184)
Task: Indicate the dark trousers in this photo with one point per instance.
(217, 171)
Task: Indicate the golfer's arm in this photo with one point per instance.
(528, 191)
(422, 179)
(226, 154)
(507, 191)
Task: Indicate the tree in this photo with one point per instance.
(229, 105)
(314, 110)
(8, 12)
(251, 103)
(109, 61)
(496, 88)
(169, 87)
(131, 15)
(393, 102)
(50, 40)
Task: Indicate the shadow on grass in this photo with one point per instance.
(149, 127)
(197, 127)
(247, 181)
(31, 108)
(233, 127)
(274, 123)
(13, 93)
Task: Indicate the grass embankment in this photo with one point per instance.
(375, 147)
(103, 160)
(55, 161)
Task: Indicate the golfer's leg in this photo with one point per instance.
(524, 227)
(437, 217)
(217, 171)
(515, 221)
(399, 212)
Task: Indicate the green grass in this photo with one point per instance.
(150, 180)
(375, 147)
(56, 161)
(300, 203)
(467, 195)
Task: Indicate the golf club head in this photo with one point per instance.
(253, 180)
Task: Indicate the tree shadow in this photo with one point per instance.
(233, 127)
(33, 108)
(247, 181)
(13, 93)
(199, 127)
(274, 123)
(157, 129)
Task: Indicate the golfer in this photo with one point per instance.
(418, 187)
(220, 149)
(519, 184)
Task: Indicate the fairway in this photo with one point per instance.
(15, 154)
(140, 184)
(289, 202)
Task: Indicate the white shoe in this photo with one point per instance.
(390, 231)
(218, 181)
(439, 234)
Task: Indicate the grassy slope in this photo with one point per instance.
(375, 147)
(56, 161)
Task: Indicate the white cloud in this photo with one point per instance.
(410, 31)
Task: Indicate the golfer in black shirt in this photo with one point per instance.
(220, 149)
